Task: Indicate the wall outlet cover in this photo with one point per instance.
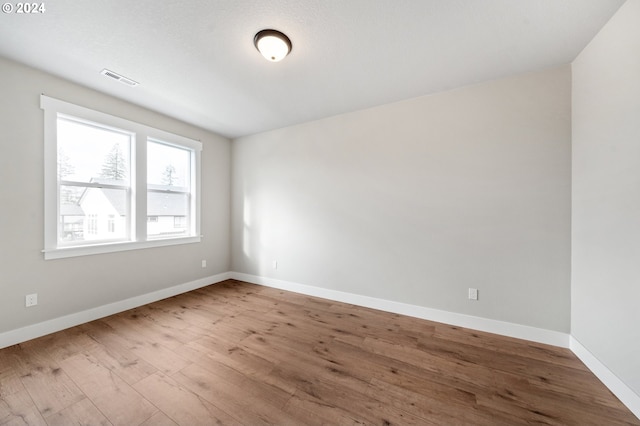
(31, 300)
(473, 294)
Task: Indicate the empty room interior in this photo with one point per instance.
(408, 212)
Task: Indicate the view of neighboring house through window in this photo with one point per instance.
(93, 174)
(112, 184)
(168, 189)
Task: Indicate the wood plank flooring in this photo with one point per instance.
(237, 353)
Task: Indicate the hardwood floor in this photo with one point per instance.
(236, 353)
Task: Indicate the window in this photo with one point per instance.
(168, 188)
(112, 184)
(92, 224)
(93, 163)
(111, 224)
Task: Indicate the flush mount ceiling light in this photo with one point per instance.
(272, 44)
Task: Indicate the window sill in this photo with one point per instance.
(88, 250)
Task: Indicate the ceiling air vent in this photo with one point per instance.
(120, 78)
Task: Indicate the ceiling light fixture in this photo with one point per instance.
(272, 44)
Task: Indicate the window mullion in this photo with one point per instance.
(139, 186)
(92, 185)
(169, 191)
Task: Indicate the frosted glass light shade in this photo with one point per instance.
(272, 44)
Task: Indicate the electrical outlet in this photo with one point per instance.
(275, 264)
(31, 300)
(473, 294)
(204, 263)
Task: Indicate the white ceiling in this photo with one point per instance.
(196, 61)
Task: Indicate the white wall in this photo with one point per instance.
(417, 201)
(606, 196)
(72, 285)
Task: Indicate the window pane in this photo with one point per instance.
(164, 211)
(168, 166)
(92, 214)
(88, 153)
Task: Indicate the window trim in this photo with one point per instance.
(143, 133)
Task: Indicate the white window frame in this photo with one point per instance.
(175, 190)
(138, 230)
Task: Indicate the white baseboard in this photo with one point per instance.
(518, 331)
(624, 393)
(57, 324)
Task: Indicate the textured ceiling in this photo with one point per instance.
(196, 61)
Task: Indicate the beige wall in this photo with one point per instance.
(71, 285)
(417, 201)
(606, 196)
